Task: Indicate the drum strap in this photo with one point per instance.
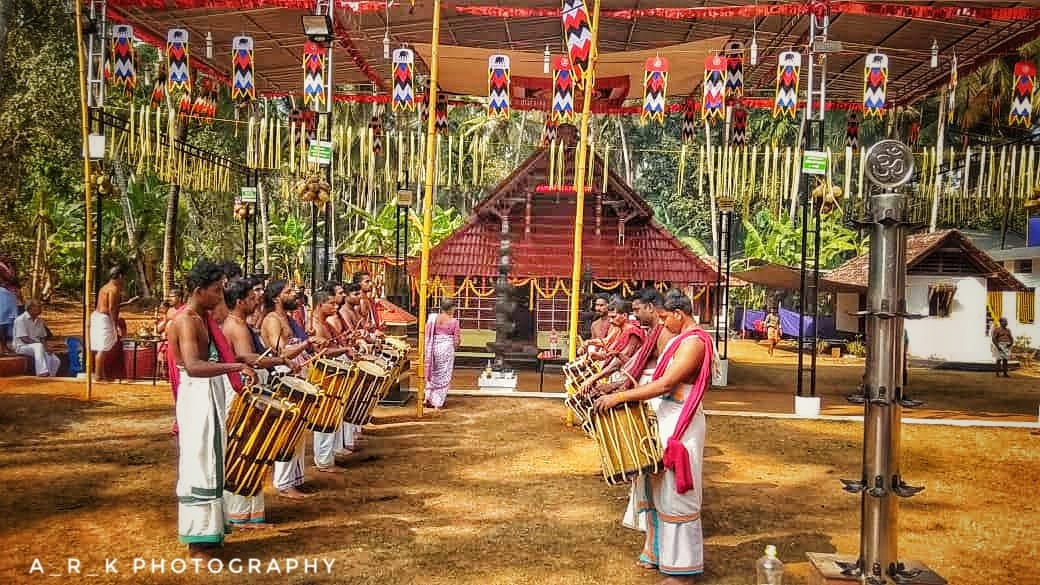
(224, 352)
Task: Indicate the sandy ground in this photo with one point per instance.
(493, 491)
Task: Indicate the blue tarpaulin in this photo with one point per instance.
(788, 321)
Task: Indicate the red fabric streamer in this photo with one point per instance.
(343, 35)
(307, 5)
(792, 9)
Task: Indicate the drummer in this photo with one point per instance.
(326, 445)
(276, 332)
(625, 345)
(241, 299)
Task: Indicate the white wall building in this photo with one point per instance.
(950, 282)
(1020, 308)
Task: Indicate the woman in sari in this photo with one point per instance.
(442, 337)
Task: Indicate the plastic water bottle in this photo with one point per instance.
(769, 569)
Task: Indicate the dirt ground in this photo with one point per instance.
(500, 491)
(493, 491)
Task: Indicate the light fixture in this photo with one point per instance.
(935, 54)
(754, 50)
(386, 44)
(317, 28)
(209, 45)
(545, 59)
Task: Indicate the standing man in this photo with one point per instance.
(773, 330)
(30, 338)
(671, 502)
(625, 345)
(200, 415)
(276, 332)
(1003, 340)
(244, 511)
(600, 322)
(369, 302)
(327, 444)
(104, 322)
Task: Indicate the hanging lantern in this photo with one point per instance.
(655, 88)
(386, 42)
(738, 131)
(875, 84)
(852, 130)
(754, 50)
(952, 104)
(689, 120)
(243, 88)
(441, 114)
(178, 75)
(1022, 95)
(498, 85)
(713, 106)
(159, 89)
(209, 45)
(788, 68)
(734, 51)
(123, 73)
(404, 97)
(934, 62)
(549, 132)
(914, 136)
(376, 125)
(563, 90)
(577, 34)
(546, 56)
(313, 75)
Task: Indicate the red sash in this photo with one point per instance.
(676, 457)
(628, 332)
(224, 351)
(634, 367)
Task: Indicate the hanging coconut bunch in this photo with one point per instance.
(242, 211)
(314, 189)
(827, 196)
(103, 184)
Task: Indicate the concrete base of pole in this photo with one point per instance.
(807, 406)
(826, 569)
(720, 379)
(497, 381)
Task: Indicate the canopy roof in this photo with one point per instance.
(976, 31)
(782, 277)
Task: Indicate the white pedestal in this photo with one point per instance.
(498, 381)
(807, 406)
(721, 378)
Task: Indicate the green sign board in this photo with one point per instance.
(814, 162)
(248, 194)
(320, 153)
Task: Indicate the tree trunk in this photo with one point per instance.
(624, 152)
(172, 203)
(5, 7)
(123, 186)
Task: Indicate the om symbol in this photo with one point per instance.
(890, 163)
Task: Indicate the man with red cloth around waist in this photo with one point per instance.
(670, 502)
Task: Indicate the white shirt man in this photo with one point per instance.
(29, 335)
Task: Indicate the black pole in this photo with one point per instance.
(803, 194)
(98, 234)
(245, 239)
(328, 207)
(252, 217)
(314, 246)
(728, 224)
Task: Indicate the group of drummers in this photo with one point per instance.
(636, 388)
(253, 369)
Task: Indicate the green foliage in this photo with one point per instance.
(377, 237)
(856, 347)
(780, 240)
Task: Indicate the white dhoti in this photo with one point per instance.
(200, 469)
(672, 521)
(349, 433)
(633, 519)
(103, 333)
(240, 509)
(45, 364)
(326, 445)
(289, 474)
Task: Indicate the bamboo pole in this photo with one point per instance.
(427, 226)
(88, 269)
(579, 192)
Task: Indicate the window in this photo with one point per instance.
(1027, 306)
(940, 299)
(1023, 266)
(995, 305)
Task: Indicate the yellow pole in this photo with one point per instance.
(88, 281)
(427, 226)
(579, 192)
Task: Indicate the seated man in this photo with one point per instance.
(29, 338)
